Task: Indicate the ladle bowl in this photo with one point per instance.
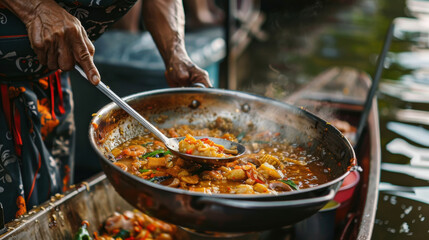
(210, 160)
(171, 143)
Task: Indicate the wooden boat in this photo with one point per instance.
(96, 199)
(339, 93)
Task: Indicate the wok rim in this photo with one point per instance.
(111, 106)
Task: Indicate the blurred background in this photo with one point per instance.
(273, 48)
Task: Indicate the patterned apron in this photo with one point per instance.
(36, 112)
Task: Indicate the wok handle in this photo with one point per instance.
(243, 204)
(198, 85)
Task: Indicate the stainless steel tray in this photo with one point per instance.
(62, 215)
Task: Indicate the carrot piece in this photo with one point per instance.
(151, 227)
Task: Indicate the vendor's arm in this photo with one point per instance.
(165, 21)
(58, 38)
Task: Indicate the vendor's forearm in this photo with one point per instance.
(25, 9)
(165, 20)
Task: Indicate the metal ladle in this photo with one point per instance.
(171, 143)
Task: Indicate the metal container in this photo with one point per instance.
(62, 215)
(222, 212)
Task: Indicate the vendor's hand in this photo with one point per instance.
(181, 72)
(165, 21)
(59, 40)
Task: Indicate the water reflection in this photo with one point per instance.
(401, 218)
(419, 156)
(304, 46)
(417, 134)
(415, 172)
(404, 90)
(404, 96)
(410, 29)
(413, 116)
(418, 8)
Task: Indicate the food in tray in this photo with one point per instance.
(130, 225)
(204, 147)
(269, 166)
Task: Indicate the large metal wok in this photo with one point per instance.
(222, 212)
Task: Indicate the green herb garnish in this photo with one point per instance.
(146, 144)
(290, 183)
(240, 136)
(159, 179)
(82, 233)
(122, 234)
(261, 142)
(159, 152)
(144, 170)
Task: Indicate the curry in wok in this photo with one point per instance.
(269, 166)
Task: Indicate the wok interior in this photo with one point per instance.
(172, 107)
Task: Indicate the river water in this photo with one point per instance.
(310, 37)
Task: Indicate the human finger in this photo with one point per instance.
(88, 43)
(52, 56)
(169, 79)
(66, 60)
(178, 76)
(83, 56)
(37, 44)
(199, 75)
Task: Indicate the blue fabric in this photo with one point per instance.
(46, 153)
(41, 110)
(17, 59)
(91, 3)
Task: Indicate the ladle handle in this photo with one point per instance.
(122, 104)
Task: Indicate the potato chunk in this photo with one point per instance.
(269, 172)
(156, 162)
(236, 175)
(211, 175)
(244, 189)
(194, 179)
(261, 188)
